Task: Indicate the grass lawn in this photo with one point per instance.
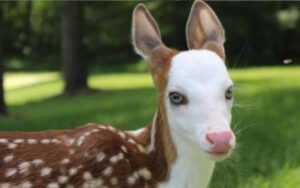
(266, 117)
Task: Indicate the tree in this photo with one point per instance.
(74, 69)
(27, 27)
(3, 109)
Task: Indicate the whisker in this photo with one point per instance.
(237, 132)
(240, 55)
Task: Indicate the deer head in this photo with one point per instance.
(195, 90)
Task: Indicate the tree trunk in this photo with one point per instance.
(27, 24)
(3, 109)
(74, 69)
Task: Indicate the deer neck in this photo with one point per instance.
(173, 160)
(191, 169)
(161, 150)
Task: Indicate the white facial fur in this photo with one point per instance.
(202, 77)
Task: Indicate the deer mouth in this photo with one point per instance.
(218, 156)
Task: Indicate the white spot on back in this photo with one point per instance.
(45, 141)
(8, 158)
(86, 134)
(122, 134)
(23, 167)
(136, 175)
(71, 141)
(116, 158)
(3, 141)
(32, 141)
(46, 171)
(141, 148)
(10, 172)
(145, 173)
(37, 162)
(53, 185)
(71, 151)
(130, 140)
(62, 179)
(100, 157)
(65, 161)
(95, 130)
(131, 180)
(95, 183)
(111, 128)
(124, 149)
(108, 171)
(19, 141)
(80, 140)
(73, 171)
(114, 181)
(87, 176)
(102, 127)
(12, 146)
(26, 184)
(55, 141)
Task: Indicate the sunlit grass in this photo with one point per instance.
(266, 117)
(20, 80)
(27, 87)
(284, 177)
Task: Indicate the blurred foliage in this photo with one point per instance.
(258, 33)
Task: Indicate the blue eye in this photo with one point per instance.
(177, 98)
(229, 93)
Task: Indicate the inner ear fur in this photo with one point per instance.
(204, 30)
(145, 32)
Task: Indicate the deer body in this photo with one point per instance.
(189, 133)
(89, 157)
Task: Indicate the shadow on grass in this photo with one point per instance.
(126, 109)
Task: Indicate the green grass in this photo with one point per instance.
(266, 117)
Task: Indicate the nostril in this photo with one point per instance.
(210, 138)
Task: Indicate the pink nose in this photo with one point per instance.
(221, 141)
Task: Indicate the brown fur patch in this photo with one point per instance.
(159, 65)
(164, 153)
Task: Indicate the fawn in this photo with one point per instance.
(189, 133)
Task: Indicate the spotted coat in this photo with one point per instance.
(91, 156)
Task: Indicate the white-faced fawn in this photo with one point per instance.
(189, 133)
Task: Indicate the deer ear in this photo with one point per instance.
(145, 31)
(204, 29)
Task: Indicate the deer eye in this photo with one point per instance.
(229, 93)
(177, 98)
